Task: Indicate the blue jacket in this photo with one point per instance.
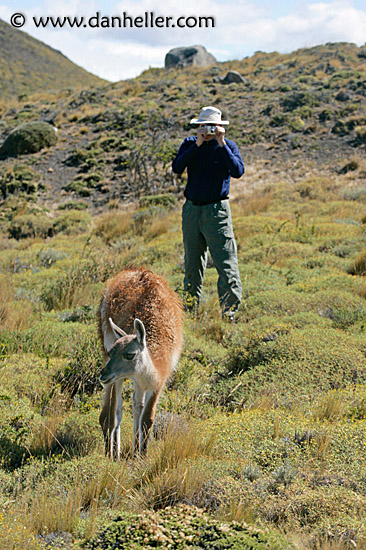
(209, 168)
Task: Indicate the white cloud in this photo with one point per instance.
(242, 27)
(125, 59)
(313, 24)
(5, 13)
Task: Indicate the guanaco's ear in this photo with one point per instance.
(140, 332)
(118, 332)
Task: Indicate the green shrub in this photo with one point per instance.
(29, 137)
(78, 186)
(355, 194)
(45, 338)
(85, 362)
(19, 179)
(325, 114)
(61, 292)
(16, 423)
(80, 314)
(299, 99)
(77, 435)
(72, 223)
(180, 528)
(77, 157)
(296, 124)
(302, 362)
(73, 205)
(30, 226)
(48, 257)
(166, 200)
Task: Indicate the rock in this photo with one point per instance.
(232, 76)
(343, 96)
(29, 137)
(197, 56)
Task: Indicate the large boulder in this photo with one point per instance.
(197, 56)
(29, 137)
(232, 77)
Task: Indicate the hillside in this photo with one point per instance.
(116, 141)
(27, 66)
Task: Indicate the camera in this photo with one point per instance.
(211, 130)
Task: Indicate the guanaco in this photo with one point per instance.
(140, 326)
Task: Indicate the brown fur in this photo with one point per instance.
(139, 293)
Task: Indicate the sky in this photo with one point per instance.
(242, 27)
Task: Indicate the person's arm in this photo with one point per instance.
(233, 159)
(231, 154)
(187, 151)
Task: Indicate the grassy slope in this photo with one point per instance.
(27, 66)
(281, 393)
(117, 141)
(275, 404)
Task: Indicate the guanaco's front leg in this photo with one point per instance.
(111, 417)
(138, 402)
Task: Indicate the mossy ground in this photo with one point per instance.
(273, 408)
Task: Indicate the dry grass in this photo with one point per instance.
(13, 314)
(113, 224)
(166, 476)
(331, 408)
(175, 449)
(169, 475)
(208, 321)
(181, 484)
(358, 267)
(238, 510)
(302, 542)
(264, 401)
(362, 291)
(258, 202)
(57, 507)
(158, 227)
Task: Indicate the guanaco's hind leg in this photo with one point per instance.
(147, 418)
(111, 417)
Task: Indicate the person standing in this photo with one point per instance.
(210, 159)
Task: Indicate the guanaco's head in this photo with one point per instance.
(127, 355)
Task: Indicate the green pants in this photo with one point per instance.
(210, 227)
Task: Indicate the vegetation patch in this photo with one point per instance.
(183, 527)
(19, 179)
(29, 137)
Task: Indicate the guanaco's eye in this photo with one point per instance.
(129, 356)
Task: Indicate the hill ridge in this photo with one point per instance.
(28, 65)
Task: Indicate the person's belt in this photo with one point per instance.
(205, 203)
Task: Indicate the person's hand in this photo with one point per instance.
(201, 134)
(220, 135)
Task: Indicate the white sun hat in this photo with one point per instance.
(209, 115)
